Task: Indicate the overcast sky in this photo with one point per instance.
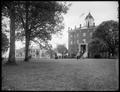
(100, 10)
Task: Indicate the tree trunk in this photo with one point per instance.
(27, 50)
(109, 54)
(26, 36)
(11, 59)
(51, 54)
(113, 53)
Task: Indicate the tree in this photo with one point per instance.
(108, 32)
(5, 40)
(5, 43)
(62, 49)
(51, 53)
(97, 46)
(9, 6)
(40, 20)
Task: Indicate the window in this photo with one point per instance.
(91, 34)
(34, 50)
(110, 29)
(77, 41)
(37, 53)
(71, 42)
(77, 35)
(84, 34)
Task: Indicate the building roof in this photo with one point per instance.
(89, 16)
(83, 28)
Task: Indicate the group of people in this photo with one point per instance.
(81, 54)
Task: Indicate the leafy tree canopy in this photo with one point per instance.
(44, 19)
(5, 43)
(97, 45)
(108, 33)
(61, 49)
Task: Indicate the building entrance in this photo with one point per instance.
(83, 48)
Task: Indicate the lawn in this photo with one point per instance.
(62, 74)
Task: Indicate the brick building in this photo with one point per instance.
(79, 38)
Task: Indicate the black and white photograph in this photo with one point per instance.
(60, 45)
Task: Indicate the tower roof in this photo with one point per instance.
(89, 16)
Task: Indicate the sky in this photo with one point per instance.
(100, 10)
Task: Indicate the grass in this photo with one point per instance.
(62, 74)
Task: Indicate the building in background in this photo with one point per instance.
(79, 38)
(34, 53)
